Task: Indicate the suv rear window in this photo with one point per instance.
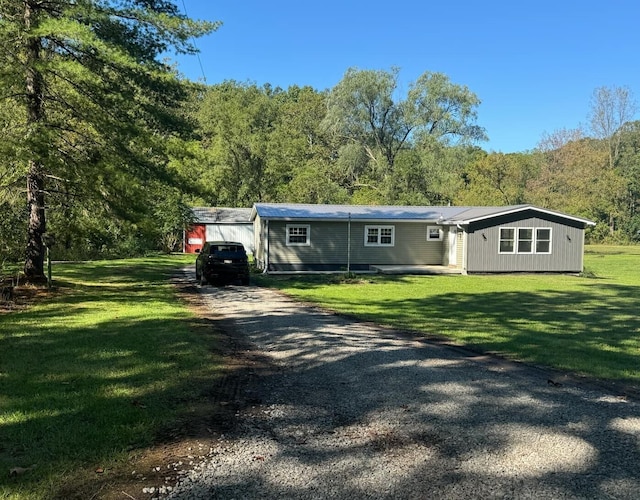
(226, 248)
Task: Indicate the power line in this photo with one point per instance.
(204, 77)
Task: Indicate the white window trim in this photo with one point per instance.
(295, 243)
(440, 233)
(535, 235)
(378, 243)
(515, 240)
(534, 240)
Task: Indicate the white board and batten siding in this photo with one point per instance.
(220, 224)
(242, 233)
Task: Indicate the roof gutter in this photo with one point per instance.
(352, 219)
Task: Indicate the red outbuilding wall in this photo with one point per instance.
(194, 238)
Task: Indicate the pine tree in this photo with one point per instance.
(96, 97)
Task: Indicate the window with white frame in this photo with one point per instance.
(543, 240)
(523, 240)
(507, 240)
(434, 233)
(298, 235)
(379, 236)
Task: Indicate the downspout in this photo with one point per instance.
(582, 253)
(464, 249)
(349, 245)
(266, 249)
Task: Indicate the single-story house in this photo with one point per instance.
(519, 238)
(219, 224)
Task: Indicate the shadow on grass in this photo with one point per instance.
(310, 281)
(353, 400)
(75, 395)
(593, 331)
(82, 385)
(590, 327)
(112, 272)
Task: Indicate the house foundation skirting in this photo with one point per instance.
(361, 268)
(330, 268)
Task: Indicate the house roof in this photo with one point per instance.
(475, 214)
(435, 214)
(221, 215)
(293, 211)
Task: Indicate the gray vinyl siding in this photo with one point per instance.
(329, 245)
(567, 245)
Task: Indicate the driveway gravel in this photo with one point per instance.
(351, 410)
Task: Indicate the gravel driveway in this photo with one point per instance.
(350, 410)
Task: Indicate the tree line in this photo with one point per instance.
(105, 147)
(362, 143)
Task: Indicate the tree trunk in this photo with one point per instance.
(34, 85)
(34, 263)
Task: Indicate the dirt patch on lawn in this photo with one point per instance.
(23, 296)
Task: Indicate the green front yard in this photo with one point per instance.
(589, 325)
(108, 366)
(114, 362)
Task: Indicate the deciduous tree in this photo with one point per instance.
(498, 179)
(366, 110)
(236, 120)
(611, 108)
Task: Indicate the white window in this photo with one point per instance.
(379, 236)
(543, 240)
(507, 240)
(434, 233)
(298, 235)
(525, 240)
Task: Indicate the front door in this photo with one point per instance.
(453, 246)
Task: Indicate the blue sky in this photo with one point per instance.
(533, 64)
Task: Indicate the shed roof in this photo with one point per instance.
(435, 214)
(221, 215)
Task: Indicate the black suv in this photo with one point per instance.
(222, 262)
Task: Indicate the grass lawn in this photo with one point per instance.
(587, 325)
(113, 362)
(105, 366)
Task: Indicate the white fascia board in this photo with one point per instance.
(254, 213)
(522, 209)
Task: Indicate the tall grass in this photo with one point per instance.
(102, 368)
(586, 324)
